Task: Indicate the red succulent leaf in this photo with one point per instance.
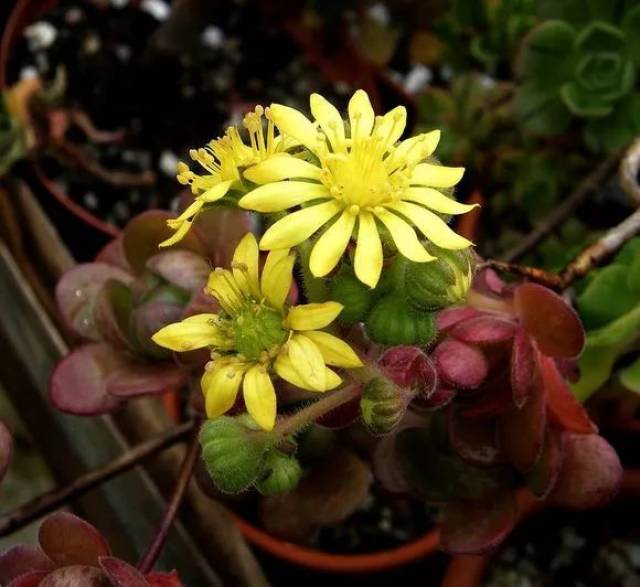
(460, 365)
(30, 579)
(69, 540)
(122, 574)
(410, 368)
(563, 406)
(145, 232)
(386, 469)
(164, 579)
(184, 269)
(135, 379)
(522, 429)
(475, 441)
(487, 281)
(474, 527)
(591, 472)
(111, 313)
(523, 367)
(78, 383)
(87, 576)
(553, 324)
(22, 559)
(201, 303)
(452, 316)
(494, 396)
(569, 369)
(6, 448)
(484, 330)
(76, 294)
(146, 320)
(113, 254)
(441, 397)
(542, 478)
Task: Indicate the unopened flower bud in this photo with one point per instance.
(232, 454)
(382, 405)
(355, 297)
(440, 283)
(393, 321)
(281, 473)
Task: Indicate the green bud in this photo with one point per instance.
(233, 453)
(356, 298)
(393, 321)
(282, 473)
(439, 283)
(382, 405)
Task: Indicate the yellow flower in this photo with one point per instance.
(223, 160)
(257, 334)
(364, 177)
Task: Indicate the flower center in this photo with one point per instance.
(258, 330)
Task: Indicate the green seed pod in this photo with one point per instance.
(355, 296)
(232, 454)
(439, 283)
(393, 321)
(382, 405)
(282, 473)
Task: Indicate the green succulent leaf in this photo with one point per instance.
(630, 376)
(541, 112)
(583, 102)
(616, 130)
(631, 30)
(546, 56)
(600, 37)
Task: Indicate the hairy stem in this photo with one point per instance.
(52, 500)
(184, 477)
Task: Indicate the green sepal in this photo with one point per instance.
(355, 296)
(282, 473)
(393, 321)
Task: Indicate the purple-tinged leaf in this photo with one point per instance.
(78, 383)
(30, 579)
(475, 441)
(6, 448)
(542, 478)
(591, 472)
(146, 320)
(75, 576)
(523, 367)
(76, 294)
(563, 406)
(487, 281)
(111, 313)
(474, 527)
(484, 330)
(145, 232)
(386, 467)
(569, 369)
(113, 254)
(410, 368)
(554, 324)
(122, 574)
(221, 229)
(183, 269)
(493, 398)
(522, 430)
(441, 397)
(69, 540)
(164, 579)
(21, 559)
(201, 303)
(134, 379)
(460, 365)
(451, 316)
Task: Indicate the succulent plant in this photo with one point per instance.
(582, 62)
(73, 552)
(118, 301)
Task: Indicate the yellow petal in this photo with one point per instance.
(299, 226)
(282, 166)
(432, 226)
(260, 397)
(308, 362)
(330, 120)
(223, 287)
(361, 115)
(334, 350)
(422, 146)
(404, 237)
(436, 201)
(292, 122)
(313, 316)
(284, 368)
(216, 192)
(178, 235)
(277, 277)
(245, 265)
(189, 212)
(437, 176)
(391, 126)
(220, 387)
(274, 197)
(331, 245)
(368, 257)
(193, 333)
